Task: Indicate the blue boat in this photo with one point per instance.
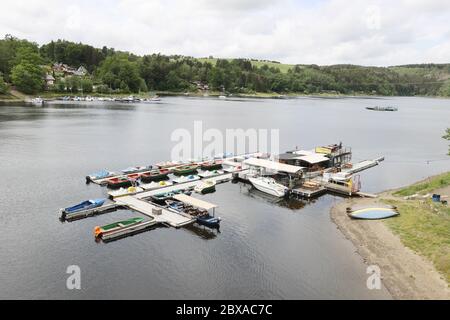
(85, 205)
(98, 175)
(209, 221)
(373, 213)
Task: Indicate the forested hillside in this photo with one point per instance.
(68, 67)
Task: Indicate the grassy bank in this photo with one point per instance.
(423, 225)
(426, 186)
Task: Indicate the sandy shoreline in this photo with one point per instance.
(405, 274)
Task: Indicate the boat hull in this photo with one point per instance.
(266, 189)
(209, 221)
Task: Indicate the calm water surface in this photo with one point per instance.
(264, 249)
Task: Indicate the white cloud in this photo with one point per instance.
(377, 32)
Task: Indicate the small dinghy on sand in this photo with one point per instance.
(373, 213)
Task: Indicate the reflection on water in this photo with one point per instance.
(263, 250)
(202, 231)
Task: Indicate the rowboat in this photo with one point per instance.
(373, 213)
(167, 164)
(183, 170)
(102, 174)
(213, 165)
(100, 231)
(133, 176)
(162, 197)
(125, 192)
(205, 186)
(183, 179)
(130, 170)
(207, 174)
(155, 175)
(85, 205)
(155, 185)
(269, 186)
(118, 182)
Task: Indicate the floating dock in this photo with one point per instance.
(158, 213)
(304, 193)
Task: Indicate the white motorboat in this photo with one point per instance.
(268, 185)
(37, 101)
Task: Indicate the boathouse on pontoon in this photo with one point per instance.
(319, 158)
(263, 167)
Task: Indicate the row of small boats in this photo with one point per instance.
(202, 216)
(159, 172)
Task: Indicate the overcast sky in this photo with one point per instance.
(291, 31)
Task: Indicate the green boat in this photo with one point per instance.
(99, 231)
(215, 165)
(183, 170)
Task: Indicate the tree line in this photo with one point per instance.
(24, 64)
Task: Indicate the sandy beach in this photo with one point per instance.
(405, 274)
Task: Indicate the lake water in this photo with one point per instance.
(264, 249)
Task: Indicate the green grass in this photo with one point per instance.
(437, 182)
(424, 226)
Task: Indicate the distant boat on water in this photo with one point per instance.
(377, 108)
(37, 101)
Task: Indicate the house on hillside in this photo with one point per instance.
(49, 81)
(81, 71)
(65, 70)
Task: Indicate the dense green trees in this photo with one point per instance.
(447, 137)
(3, 85)
(114, 71)
(27, 77)
(119, 72)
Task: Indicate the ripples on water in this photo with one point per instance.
(265, 248)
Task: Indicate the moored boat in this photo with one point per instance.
(189, 178)
(205, 186)
(85, 205)
(212, 165)
(207, 174)
(102, 174)
(125, 192)
(209, 221)
(156, 185)
(183, 170)
(37, 101)
(377, 108)
(269, 186)
(118, 182)
(100, 231)
(155, 175)
(131, 170)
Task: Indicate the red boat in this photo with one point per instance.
(133, 176)
(155, 175)
(118, 182)
(213, 165)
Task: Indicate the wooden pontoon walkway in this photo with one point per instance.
(159, 214)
